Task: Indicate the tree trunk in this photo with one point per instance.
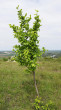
(35, 84)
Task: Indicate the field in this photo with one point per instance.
(17, 91)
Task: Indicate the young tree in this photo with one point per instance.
(27, 51)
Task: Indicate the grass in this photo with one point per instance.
(17, 90)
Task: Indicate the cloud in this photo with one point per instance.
(50, 14)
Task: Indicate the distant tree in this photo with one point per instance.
(27, 51)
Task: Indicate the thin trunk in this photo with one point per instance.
(35, 84)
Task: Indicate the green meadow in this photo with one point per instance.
(17, 91)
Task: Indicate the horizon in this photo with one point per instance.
(40, 49)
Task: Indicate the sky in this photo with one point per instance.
(50, 15)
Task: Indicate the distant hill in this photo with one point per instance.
(51, 53)
(6, 53)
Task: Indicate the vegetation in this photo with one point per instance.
(16, 85)
(27, 51)
(40, 105)
(17, 90)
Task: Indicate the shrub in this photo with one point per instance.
(5, 59)
(40, 105)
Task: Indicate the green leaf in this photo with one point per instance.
(27, 51)
(17, 7)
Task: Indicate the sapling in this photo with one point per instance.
(27, 51)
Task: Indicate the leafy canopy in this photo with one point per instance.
(27, 50)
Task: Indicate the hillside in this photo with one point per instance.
(17, 90)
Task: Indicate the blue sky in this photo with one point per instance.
(50, 14)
